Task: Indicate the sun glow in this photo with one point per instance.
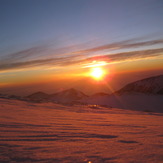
(97, 73)
(96, 64)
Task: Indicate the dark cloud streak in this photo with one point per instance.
(70, 61)
(19, 60)
(121, 45)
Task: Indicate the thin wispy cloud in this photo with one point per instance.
(121, 45)
(30, 58)
(36, 63)
(121, 57)
(135, 55)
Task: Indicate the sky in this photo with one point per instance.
(50, 43)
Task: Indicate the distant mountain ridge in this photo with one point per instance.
(65, 96)
(38, 96)
(143, 95)
(139, 94)
(152, 85)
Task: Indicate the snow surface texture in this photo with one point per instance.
(48, 132)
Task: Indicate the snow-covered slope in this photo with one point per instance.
(152, 85)
(38, 96)
(100, 94)
(132, 101)
(53, 133)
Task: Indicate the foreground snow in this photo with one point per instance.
(48, 132)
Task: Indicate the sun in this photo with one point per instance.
(97, 73)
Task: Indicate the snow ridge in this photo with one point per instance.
(152, 85)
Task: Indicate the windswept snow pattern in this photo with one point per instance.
(54, 133)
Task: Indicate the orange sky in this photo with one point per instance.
(49, 80)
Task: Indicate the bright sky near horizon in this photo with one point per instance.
(45, 39)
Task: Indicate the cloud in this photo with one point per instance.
(24, 54)
(38, 63)
(25, 59)
(70, 61)
(135, 55)
(125, 56)
(121, 45)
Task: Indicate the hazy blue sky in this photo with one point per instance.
(26, 23)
